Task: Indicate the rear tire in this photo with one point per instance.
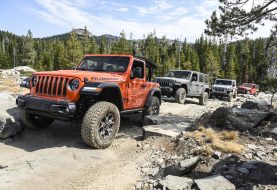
(230, 97)
(100, 125)
(154, 108)
(180, 96)
(33, 121)
(203, 100)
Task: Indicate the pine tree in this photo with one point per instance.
(211, 65)
(74, 50)
(28, 51)
(103, 45)
(230, 67)
(59, 56)
(244, 57)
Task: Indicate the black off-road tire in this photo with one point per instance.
(230, 97)
(203, 100)
(34, 121)
(236, 94)
(91, 125)
(153, 109)
(180, 96)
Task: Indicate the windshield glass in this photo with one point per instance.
(223, 82)
(104, 63)
(247, 85)
(179, 74)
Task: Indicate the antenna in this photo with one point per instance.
(179, 52)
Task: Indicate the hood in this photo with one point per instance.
(244, 87)
(90, 75)
(174, 79)
(222, 86)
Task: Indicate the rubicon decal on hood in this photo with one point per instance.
(107, 78)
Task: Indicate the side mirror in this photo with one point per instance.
(194, 78)
(234, 85)
(25, 83)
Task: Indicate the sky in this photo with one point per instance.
(171, 18)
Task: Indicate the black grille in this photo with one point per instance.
(51, 86)
(164, 82)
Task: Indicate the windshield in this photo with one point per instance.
(104, 63)
(179, 74)
(224, 82)
(247, 85)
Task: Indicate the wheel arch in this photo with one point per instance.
(153, 92)
(105, 91)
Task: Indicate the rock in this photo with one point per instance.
(252, 146)
(260, 153)
(243, 170)
(183, 167)
(170, 130)
(175, 183)
(188, 165)
(236, 118)
(248, 156)
(216, 182)
(152, 171)
(232, 159)
(273, 131)
(9, 117)
(229, 177)
(256, 104)
(216, 155)
(8, 127)
(157, 119)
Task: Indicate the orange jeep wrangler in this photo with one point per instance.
(93, 94)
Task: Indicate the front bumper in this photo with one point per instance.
(46, 107)
(220, 93)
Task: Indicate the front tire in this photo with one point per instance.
(100, 125)
(33, 121)
(180, 96)
(235, 94)
(230, 97)
(203, 100)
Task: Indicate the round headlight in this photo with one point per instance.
(74, 85)
(34, 81)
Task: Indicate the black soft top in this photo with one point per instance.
(148, 62)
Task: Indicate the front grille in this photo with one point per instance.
(51, 85)
(217, 89)
(164, 82)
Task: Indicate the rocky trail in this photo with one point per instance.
(186, 147)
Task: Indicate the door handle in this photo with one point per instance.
(143, 86)
(197, 84)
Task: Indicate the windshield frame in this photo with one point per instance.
(231, 82)
(107, 56)
(187, 78)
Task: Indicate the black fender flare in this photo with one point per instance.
(152, 93)
(96, 88)
(207, 89)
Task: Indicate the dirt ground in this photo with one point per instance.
(56, 158)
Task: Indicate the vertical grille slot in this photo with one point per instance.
(64, 87)
(60, 86)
